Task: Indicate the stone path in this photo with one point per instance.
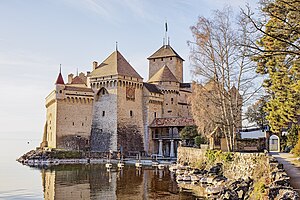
(292, 170)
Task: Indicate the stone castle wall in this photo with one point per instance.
(174, 64)
(104, 124)
(74, 120)
(51, 120)
(130, 117)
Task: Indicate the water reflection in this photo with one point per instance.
(95, 182)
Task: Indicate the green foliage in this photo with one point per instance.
(278, 58)
(292, 137)
(189, 132)
(259, 189)
(296, 149)
(218, 156)
(61, 154)
(256, 113)
(200, 140)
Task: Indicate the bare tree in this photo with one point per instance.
(224, 71)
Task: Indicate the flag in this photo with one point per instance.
(166, 27)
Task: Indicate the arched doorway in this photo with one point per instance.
(274, 143)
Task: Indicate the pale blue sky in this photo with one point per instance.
(38, 35)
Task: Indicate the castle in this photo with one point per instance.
(111, 108)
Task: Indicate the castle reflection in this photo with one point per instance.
(72, 182)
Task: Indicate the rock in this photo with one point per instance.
(288, 195)
(214, 189)
(210, 179)
(186, 178)
(282, 182)
(274, 191)
(229, 195)
(216, 170)
(203, 180)
(195, 179)
(219, 180)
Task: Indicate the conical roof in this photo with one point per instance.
(60, 79)
(164, 75)
(115, 64)
(165, 51)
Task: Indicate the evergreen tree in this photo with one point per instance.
(278, 52)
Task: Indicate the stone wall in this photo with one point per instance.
(74, 120)
(175, 65)
(104, 125)
(130, 129)
(242, 165)
(251, 144)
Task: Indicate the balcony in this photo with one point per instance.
(165, 136)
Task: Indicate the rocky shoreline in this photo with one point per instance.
(43, 158)
(222, 175)
(215, 185)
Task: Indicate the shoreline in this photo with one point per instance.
(53, 162)
(40, 157)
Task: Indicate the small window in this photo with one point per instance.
(73, 123)
(162, 59)
(167, 104)
(103, 91)
(131, 113)
(172, 100)
(169, 111)
(154, 114)
(82, 124)
(103, 113)
(60, 91)
(153, 60)
(171, 58)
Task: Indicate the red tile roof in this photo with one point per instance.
(172, 121)
(60, 79)
(77, 80)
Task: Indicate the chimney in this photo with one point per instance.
(70, 78)
(95, 65)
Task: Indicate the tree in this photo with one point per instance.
(292, 137)
(277, 53)
(188, 132)
(222, 64)
(256, 113)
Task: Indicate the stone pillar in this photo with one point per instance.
(172, 154)
(160, 148)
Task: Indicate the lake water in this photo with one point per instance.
(81, 181)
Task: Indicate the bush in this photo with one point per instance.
(199, 140)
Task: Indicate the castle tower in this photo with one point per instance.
(166, 55)
(117, 113)
(68, 117)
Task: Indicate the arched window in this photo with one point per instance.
(131, 113)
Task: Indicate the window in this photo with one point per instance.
(169, 111)
(172, 100)
(131, 113)
(103, 113)
(162, 59)
(82, 124)
(60, 91)
(153, 60)
(171, 58)
(73, 123)
(154, 114)
(103, 91)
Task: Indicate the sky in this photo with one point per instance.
(37, 36)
